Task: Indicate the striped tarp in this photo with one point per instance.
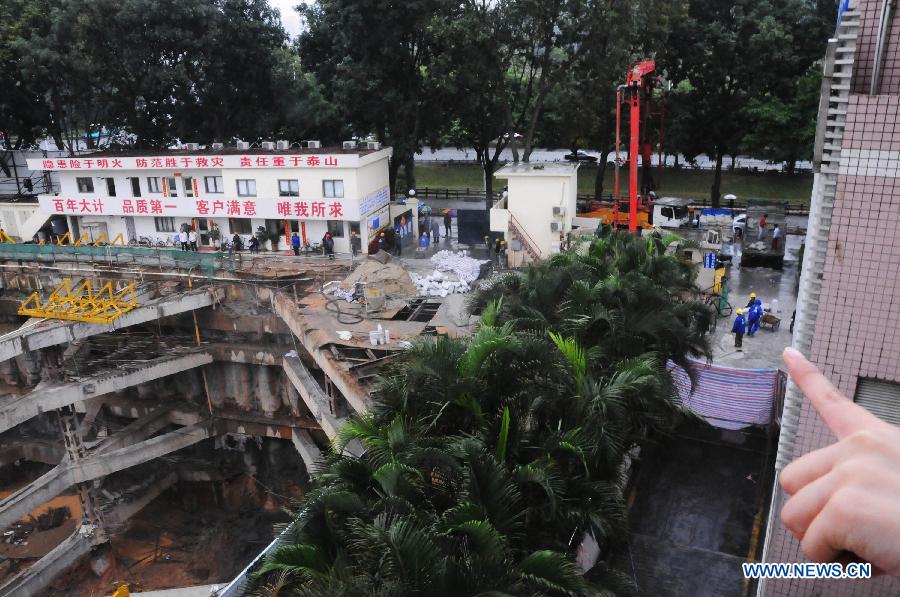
(728, 398)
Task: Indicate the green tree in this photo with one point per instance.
(581, 110)
(475, 70)
(147, 73)
(489, 459)
(374, 61)
(23, 111)
(783, 129)
(731, 52)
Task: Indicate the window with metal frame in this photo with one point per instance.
(288, 188)
(172, 184)
(85, 184)
(135, 186)
(240, 225)
(165, 224)
(246, 187)
(213, 184)
(335, 228)
(333, 189)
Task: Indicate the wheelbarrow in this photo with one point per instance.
(769, 322)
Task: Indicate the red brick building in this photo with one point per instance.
(848, 314)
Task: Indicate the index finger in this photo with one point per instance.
(843, 416)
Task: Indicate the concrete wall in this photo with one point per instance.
(14, 215)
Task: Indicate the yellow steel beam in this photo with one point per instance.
(83, 303)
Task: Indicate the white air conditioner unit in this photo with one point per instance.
(218, 146)
(349, 145)
(555, 226)
(282, 144)
(312, 144)
(192, 146)
(268, 145)
(242, 145)
(559, 212)
(373, 145)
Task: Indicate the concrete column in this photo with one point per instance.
(241, 387)
(30, 366)
(290, 398)
(146, 391)
(269, 401)
(9, 373)
(215, 380)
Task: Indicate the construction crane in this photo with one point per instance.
(637, 96)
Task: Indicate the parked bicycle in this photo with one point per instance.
(143, 241)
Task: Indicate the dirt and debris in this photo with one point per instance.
(192, 534)
(32, 537)
(391, 277)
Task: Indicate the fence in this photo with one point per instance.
(426, 194)
(205, 263)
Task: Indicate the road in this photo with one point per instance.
(448, 154)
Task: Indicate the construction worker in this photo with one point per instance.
(328, 245)
(738, 329)
(751, 301)
(754, 316)
(776, 237)
(295, 243)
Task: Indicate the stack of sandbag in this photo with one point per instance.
(438, 284)
(466, 268)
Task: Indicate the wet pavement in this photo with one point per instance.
(698, 506)
(763, 350)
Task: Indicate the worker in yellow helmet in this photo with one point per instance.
(739, 328)
(751, 301)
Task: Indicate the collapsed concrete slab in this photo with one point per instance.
(69, 473)
(15, 410)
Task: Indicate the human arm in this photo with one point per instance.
(845, 498)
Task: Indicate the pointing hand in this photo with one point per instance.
(845, 497)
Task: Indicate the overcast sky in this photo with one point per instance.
(289, 17)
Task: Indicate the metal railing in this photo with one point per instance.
(530, 246)
(478, 195)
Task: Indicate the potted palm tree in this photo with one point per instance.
(262, 235)
(214, 235)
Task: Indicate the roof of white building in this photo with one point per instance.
(126, 153)
(537, 169)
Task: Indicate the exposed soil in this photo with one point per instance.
(193, 534)
(22, 544)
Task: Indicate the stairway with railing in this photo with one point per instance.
(520, 234)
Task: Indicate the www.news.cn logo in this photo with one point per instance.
(807, 570)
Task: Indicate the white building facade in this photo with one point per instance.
(537, 212)
(154, 194)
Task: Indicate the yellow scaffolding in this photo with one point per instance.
(82, 303)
